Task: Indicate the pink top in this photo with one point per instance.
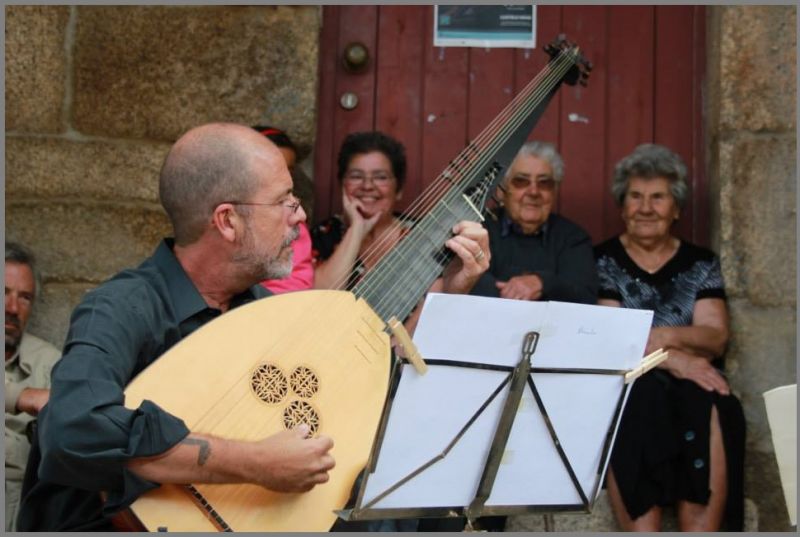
(302, 276)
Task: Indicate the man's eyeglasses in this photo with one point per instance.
(291, 203)
(358, 178)
(547, 184)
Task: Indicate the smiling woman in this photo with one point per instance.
(371, 171)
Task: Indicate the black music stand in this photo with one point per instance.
(489, 437)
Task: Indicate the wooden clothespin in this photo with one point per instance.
(647, 363)
(412, 353)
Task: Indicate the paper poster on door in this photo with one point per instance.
(485, 26)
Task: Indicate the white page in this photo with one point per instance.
(580, 432)
(577, 335)
(426, 416)
(491, 330)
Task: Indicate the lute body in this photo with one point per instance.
(221, 381)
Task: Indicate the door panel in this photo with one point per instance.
(400, 50)
(677, 104)
(581, 139)
(630, 94)
(530, 62)
(445, 105)
(645, 87)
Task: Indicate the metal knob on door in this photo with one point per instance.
(355, 60)
(348, 100)
(356, 57)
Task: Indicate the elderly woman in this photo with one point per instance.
(681, 438)
(371, 170)
(537, 254)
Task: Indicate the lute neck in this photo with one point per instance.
(402, 276)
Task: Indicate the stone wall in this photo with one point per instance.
(95, 96)
(753, 165)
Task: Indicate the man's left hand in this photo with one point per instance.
(471, 245)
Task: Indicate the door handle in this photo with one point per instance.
(356, 57)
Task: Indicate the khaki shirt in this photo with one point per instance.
(29, 368)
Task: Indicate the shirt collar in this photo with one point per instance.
(185, 296)
(14, 359)
(23, 362)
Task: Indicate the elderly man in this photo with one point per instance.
(28, 363)
(228, 194)
(537, 254)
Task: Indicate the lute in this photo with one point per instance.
(322, 357)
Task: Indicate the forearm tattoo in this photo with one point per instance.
(205, 449)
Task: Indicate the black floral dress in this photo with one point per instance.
(661, 453)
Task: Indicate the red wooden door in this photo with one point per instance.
(645, 87)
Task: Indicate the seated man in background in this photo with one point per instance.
(28, 363)
(536, 254)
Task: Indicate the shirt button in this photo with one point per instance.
(698, 463)
(689, 436)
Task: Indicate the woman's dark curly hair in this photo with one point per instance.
(359, 143)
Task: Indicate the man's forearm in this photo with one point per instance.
(195, 459)
(287, 461)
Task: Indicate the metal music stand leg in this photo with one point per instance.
(519, 378)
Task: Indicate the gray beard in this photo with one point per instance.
(276, 269)
(272, 268)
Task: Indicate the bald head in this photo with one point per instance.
(209, 165)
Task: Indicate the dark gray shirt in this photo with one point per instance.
(86, 435)
(560, 253)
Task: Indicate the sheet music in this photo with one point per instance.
(428, 411)
(481, 329)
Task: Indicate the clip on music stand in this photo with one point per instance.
(496, 433)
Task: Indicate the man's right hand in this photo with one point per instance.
(287, 461)
(32, 400)
(296, 463)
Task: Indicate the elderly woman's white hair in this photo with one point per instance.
(650, 161)
(547, 152)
